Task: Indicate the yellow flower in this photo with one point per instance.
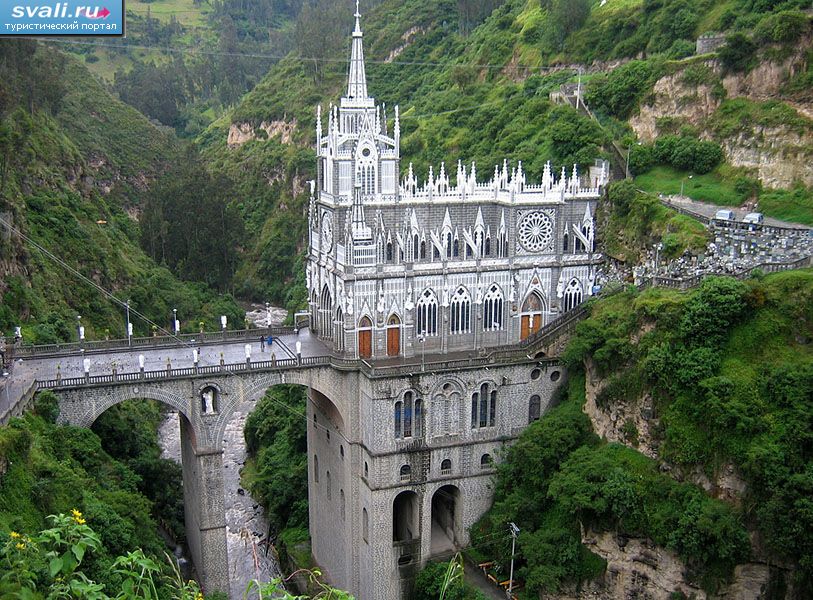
(198, 596)
(77, 517)
(14, 535)
(20, 546)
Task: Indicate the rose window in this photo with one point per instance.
(535, 232)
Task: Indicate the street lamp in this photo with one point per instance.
(658, 249)
(79, 329)
(422, 339)
(682, 181)
(514, 533)
(176, 326)
(129, 325)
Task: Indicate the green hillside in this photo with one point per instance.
(76, 164)
(729, 367)
(478, 91)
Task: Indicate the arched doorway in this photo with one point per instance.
(393, 336)
(532, 314)
(405, 517)
(365, 337)
(339, 326)
(445, 509)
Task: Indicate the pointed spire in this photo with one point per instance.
(357, 78)
(397, 124)
(318, 126)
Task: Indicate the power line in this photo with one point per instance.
(302, 59)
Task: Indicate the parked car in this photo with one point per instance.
(725, 215)
(754, 218)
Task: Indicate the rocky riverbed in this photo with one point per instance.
(246, 525)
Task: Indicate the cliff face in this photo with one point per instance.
(778, 150)
(638, 568)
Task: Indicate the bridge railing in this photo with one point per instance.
(161, 341)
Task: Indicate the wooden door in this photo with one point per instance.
(393, 341)
(365, 343)
(526, 327)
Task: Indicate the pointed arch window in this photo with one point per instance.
(325, 314)
(448, 245)
(484, 407)
(460, 320)
(427, 314)
(408, 417)
(574, 295)
(534, 408)
(389, 252)
(504, 244)
(456, 248)
(488, 246)
(415, 247)
(493, 309)
(423, 249)
(565, 244)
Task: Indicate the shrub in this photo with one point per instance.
(739, 53)
(781, 28)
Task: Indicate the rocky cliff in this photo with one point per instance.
(772, 136)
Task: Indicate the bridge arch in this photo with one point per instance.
(115, 396)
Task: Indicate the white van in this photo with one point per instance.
(754, 218)
(724, 215)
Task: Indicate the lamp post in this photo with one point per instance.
(658, 249)
(514, 531)
(175, 324)
(682, 181)
(129, 325)
(80, 331)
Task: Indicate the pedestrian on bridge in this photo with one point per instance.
(262, 343)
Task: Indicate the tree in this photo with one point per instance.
(566, 16)
(739, 53)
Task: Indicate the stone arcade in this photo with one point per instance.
(425, 300)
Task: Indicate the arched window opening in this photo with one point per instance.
(404, 517)
(448, 245)
(573, 296)
(418, 421)
(327, 484)
(445, 521)
(446, 467)
(486, 462)
(408, 417)
(460, 321)
(435, 253)
(423, 249)
(504, 245)
(493, 305)
(209, 400)
(389, 252)
(427, 314)
(468, 251)
(399, 410)
(365, 525)
(484, 407)
(325, 324)
(341, 500)
(534, 408)
(488, 246)
(415, 247)
(456, 248)
(406, 472)
(339, 327)
(565, 244)
(366, 470)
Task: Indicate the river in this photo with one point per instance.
(246, 525)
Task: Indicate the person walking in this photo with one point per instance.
(262, 343)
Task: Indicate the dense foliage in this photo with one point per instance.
(45, 469)
(558, 477)
(128, 433)
(731, 370)
(276, 438)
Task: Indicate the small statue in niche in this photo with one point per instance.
(209, 400)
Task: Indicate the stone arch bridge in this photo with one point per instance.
(382, 500)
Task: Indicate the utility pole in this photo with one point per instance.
(514, 531)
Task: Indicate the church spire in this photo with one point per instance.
(357, 78)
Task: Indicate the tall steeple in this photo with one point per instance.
(357, 79)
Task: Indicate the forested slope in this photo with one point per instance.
(76, 167)
(474, 84)
(702, 400)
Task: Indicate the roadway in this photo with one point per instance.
(27, 370)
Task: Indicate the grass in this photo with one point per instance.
(185, 11)
(711, 187)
